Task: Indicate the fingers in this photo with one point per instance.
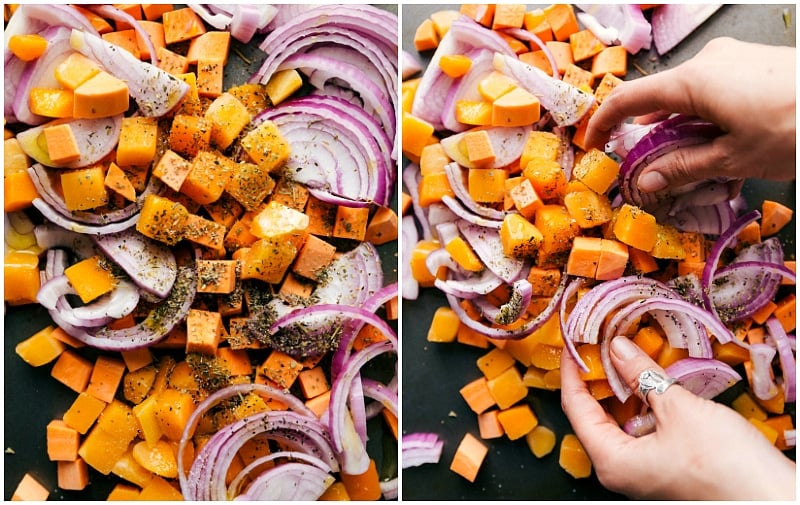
(630, 362)
(683, 166)
(594, 427)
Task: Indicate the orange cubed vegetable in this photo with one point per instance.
(597, 170)
(162, 219)
(613, 260)
(417, 133)
(477, 395)
(91, 278)
(210, 46)
(489, 426)
(455, 65)
(28, 46)
(668, 244)
(541, 440)
(351, 222)
(573, 458)
(117, 181)
(203, 331)
(432, 187)
(557, 227)
(102, 95)
(268, 260)
(547, 178)
(40, 348)
(474, 113)
(478, 148)
(207, 177)
(174, 408)
(365, 486)
(562, 20)
(171, 62)
(283, 84)
(589, 209)
(635, 227)
(266, 146)
(518, 421)
(189, 135)
(61, 144)
(281, 369)
(181, 25)
(30, 489)
(84, 188)
(469, 457)
(518, 107)
(540, 144)
(433, 159)
(584, 45)
(519, 237)
(774, 216)
(578, 77)
(525, 198)
(495, 85)
(495, 362)
(425, 36)
(155, 32)
(611, 60)
(508, 16)
(507, 388)
(72, 475)
(124, 39)
(106, 377)
(137, 141)
(75, 70)
(487, 185)
(51, 102)
(83, 412)
(62, 441)
(536, 22)
(382, 227)
(444, 326)
(210, 78)
(72, 370)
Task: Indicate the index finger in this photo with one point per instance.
(594, 427)
(664, 91)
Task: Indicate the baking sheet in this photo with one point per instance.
(32, 398)
(433, 373)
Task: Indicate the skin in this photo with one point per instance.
(701, 450)
(747, 89)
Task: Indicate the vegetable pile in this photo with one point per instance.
(210, 252)
(541, 245)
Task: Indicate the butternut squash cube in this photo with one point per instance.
(208, 177)
(573, 458)
(540, 144)
(444, 326)
(40, 348)
(463, 254)
(283, 84)
(162, 219)
(635, 227)
(268, 259)
(558, 228)
(266, 146)
(613, 260)
(91, 278)
(228, 116)
(541, 441)
(83, 412)
(21, 277)
(173, 411)
(84, 188)
(520, 237)
(487, 185)
(75, 70)
(518, 107)
(507, 388)
(517, 421)
(137, 141)
(547, 178)
(589, 209)
(189, 134)
(280, 223)
(495, 85)
(668, 243)
(597, 170)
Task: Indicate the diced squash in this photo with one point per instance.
(40, 348)
(228, 116)
(774, 216)
(117, 181)
(173, 410)
(210, 46)
(84, 188)
(611, 60)
(62, 441)
(189, 135)
(507, 388)
(181, 25)
(417, 133)
(162, 219)
(519, 237)
(51, 102)
(541, 440)
(444, 326)
(562, 20)
(635, 227)
(28, 46)
(62, 148)
(106, 377)
(573, 458)
(518, 107)
(547, 178)
(91, 278)
(517, 421)
(83, 412)
(266, 146)
(425, 36)
(30, 489)
(21, 277)
(479, 148)
(268, 260)
(495, 362)
(137, 141)
(597, 170)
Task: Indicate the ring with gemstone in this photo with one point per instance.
(650, 380)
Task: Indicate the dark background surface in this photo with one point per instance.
(433, 373)
(32, 398)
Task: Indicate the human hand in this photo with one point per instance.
(747, 89)
(700, 450)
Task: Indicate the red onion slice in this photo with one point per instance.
(762, 382)
(150, 264)
(420, 449)
(785, 356)
(95, 139)
(507, 143)
(487, 245)
(69, 224)
(674, 22)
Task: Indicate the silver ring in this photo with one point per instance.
(650, 380)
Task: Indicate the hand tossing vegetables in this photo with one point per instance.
(545, 247)
(209, 246)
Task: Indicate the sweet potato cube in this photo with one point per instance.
(477, 396)
(508, 16)
(61, 144)
(479, 148)
(313, 258)
(203, 331)
(525, 198)
(469, 457)
(266, 146)
(584, 257)
(313, 382)
(382, 227)
(181, 25)
(351, 222)
(91, 278)
(73, 475)
(613, 260)
(489, 426)
(280, 368)
(30, 489)
(118, 181)
(106, 376)
(635, 227)
(562, 20)
(425, 36)
(216, 276)
(62, 441)
(102, 95)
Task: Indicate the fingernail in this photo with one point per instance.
(652, 181)
(623, 348)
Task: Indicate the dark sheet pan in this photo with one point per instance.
(433, 373)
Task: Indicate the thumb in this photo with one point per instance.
(682, 166)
